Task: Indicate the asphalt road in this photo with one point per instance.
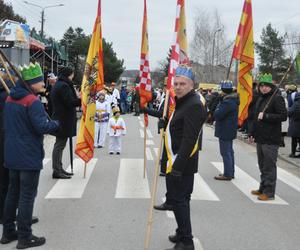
(108, 210)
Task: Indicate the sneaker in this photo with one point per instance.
(9, 238)
(33, 241)
(264, 197)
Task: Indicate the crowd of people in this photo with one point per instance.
(24, 122)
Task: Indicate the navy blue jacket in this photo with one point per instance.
(294, 115)
(226, 116)
(25, 123)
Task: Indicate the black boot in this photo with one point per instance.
(181, 246)
(174, 238)
(9, 238)
(164, 206)
(66, 173)
(60, 176)
(33, 241)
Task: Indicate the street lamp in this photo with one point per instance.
(213, 54)
(43, 13)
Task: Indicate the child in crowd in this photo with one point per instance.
(116, 128)
(101, 119)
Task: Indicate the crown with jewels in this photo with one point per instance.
(266, 79)
(32, 73)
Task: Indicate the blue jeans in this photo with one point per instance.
(227, 153)
(123, 107)
(22, 191)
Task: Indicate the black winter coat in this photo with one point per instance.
(268, 130)
(294, 115)
(64, 103)
(185, 126)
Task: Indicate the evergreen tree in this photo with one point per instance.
(113, 67)
(271, 53)
(7, 12)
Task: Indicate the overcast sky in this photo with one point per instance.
(122, 20)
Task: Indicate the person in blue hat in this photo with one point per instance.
(226, 117)
(182, 146)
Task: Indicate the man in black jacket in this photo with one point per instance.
(64, 103)
(270, 112)
(182, 136)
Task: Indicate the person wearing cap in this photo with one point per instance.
(103, 110)
(181, 139)
(64, 103)
(226, 117)
(25, 123)
(116, 128)
(270, 112)
(51, 80)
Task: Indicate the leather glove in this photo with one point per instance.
(176, 175)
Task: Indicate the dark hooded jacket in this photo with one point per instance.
(226, 116)
(25, 123)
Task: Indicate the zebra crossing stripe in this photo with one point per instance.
(46, 161)
(142, 133)
(197, 244)
(149, 154)
(149, 142)
(202, 191)
(245, 183)
(149, 134)
(142, 124)
(131, 184)
(288, 179)
(73, 188)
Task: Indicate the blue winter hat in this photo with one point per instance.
(227, 84)
(185, 71)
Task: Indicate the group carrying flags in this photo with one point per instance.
(145, 88)
(93, 81)
(179, 53)
(244, 52)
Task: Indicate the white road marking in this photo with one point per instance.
(149, 142)
(197, 244)
(73, 188)
(288, 179)
(142, 124)
(202, 191)
(156, 151)
(142, 133)
(139, 118)
(170, 214)
(149, 134)
(246, 183)
(149, 154)
(131, 183)
(46, 161)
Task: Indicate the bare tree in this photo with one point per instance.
(292, 41)
(209, 47)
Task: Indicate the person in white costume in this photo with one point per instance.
(101, 119)
(116, 128)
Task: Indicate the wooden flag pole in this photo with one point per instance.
(145, 155)
(7, 71)
(154, 184)
(4, 85)
(84, 173)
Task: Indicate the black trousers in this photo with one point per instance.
(179, 196)
(295, 141)
(57, 153)
(163, 160)
(4, 176)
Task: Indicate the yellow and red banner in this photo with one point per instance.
(145, 88)
(179, 50)
(93, 81)
(244, 52)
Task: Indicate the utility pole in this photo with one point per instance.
(42, 23)
(213, 54)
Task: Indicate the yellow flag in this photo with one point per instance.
(244, 52)
(93, 81)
